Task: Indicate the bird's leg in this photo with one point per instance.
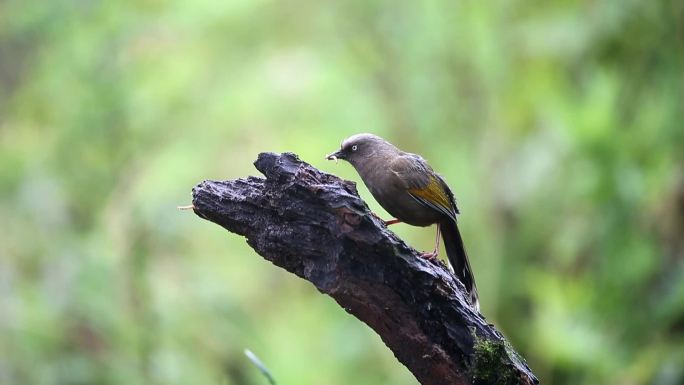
(433, 255)
(387, 223)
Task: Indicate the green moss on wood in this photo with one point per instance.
(488, 365)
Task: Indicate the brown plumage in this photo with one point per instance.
(407, 187)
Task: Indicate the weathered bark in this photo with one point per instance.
(315, 225)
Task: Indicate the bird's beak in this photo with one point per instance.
(335, 156)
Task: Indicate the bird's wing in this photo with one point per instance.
(424, 185)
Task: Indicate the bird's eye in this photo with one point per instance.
(354, 147)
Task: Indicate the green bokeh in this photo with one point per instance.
(559, 126)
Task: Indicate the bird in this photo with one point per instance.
(409, 189)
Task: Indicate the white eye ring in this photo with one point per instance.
(354, 147)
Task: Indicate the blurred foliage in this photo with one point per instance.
(559, 125)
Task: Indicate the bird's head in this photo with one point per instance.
(359, 148)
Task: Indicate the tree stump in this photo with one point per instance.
(316, 226)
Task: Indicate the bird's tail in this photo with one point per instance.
(458, 259)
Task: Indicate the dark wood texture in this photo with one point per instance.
(316, 226)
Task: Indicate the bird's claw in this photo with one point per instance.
(430, 256)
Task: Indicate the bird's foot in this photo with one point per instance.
(430, 256)
(387, 223)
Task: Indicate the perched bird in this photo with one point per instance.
(407, 187)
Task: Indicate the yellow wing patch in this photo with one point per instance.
(433, 193)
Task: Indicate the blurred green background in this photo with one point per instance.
(559, 125)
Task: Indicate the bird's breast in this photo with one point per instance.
(392, 194)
